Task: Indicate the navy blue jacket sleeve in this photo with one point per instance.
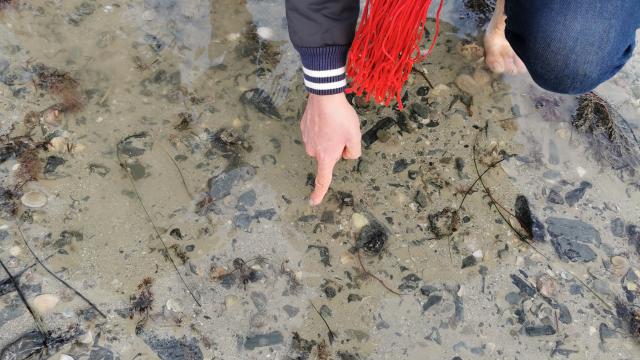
(322, 31)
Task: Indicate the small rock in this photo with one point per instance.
(358, 221)
(57, 144)
(372, 238)
(619, 265)
(15, 251)
(230, 301)
(546, 285)
(481, 77)
(45, 303)
(469, 261)
(555, 197)
(65, 357)
(468, 84)
(86, 338)
(34, 199)
(265, 33)
(617, 227)
(564, 315)
(174, 306)
(542, 330)
(575, 195)
(262, 340)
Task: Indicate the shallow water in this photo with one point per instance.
(175, 146)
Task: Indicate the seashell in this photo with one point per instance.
(45, 303)
(265, 33)
(358, 221)
(65, 357)
(86, 338)
(619, 265)
(34, 199)
(57, 144)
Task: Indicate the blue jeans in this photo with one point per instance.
(571, 46)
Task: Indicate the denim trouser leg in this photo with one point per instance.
(571, 46)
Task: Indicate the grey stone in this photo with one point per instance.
(617, 227)
(262, 340)
(573, 230)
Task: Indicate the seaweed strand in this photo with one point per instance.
(39, 325)
(332, 335)
(153, 225)
(377, 278)
(24, 239)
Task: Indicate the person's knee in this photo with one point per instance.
(556, 63)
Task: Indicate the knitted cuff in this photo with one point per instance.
(324, 68)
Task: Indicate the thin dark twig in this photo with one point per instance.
(184, 182)
(377, 278)
(153, 225)
(332, 335)
(26, 243)
(424, 75)
(36, 318)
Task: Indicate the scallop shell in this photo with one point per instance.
(34, 199)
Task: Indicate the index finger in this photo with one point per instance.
(323, 179)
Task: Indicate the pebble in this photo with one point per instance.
(34, 199)
(546, 285)
(233, 36)
(581, 171)
(265, 32)
(86, 338)
(346, 258)
(57, 144)
(358, 221)
(619, 265)
(482, 77)
(230, 301)
(174, 305)
(45, 303)
(468, 84)
(65, 357)
(147, 15)
(15, 251)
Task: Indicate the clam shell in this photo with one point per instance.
(34, 199)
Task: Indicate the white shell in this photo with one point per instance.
(358, 221)
(65, 357)
(34, 199)
(86, 338)
(45, 303)
(265, 32)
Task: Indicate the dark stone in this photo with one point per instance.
(570, 250)
(172, 348)
(354, 298)
(421, 199)
(554, 197)
(420, 109)
(52, 164)
(422, 91)
(220, 185)
(259, 301)
(469, 261)
(541, 330)
(101, 353)
(371, 135)
(523, 285)
(325, 311)
(325, 258)
(291, 311)
(372, 238)
(190, 248)
(575, 195)
(243, 221)
(346, 199)
(176, 233)
(327, 217)
(412, 174)
(427, 290)
(260, 101)
(400, 165)
(564, 314)
(262, 340)
(307, 218)
(573, 230)
(513, 298)
(410, 282)
(268, 214)
(528, 221)
(330, 292)
(617, 227)
(431, 301)
(247, 199)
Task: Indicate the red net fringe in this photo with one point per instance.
(386, 46)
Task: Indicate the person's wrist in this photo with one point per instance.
(328, 99)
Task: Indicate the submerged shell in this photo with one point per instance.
(34, 199)
(45, 303)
